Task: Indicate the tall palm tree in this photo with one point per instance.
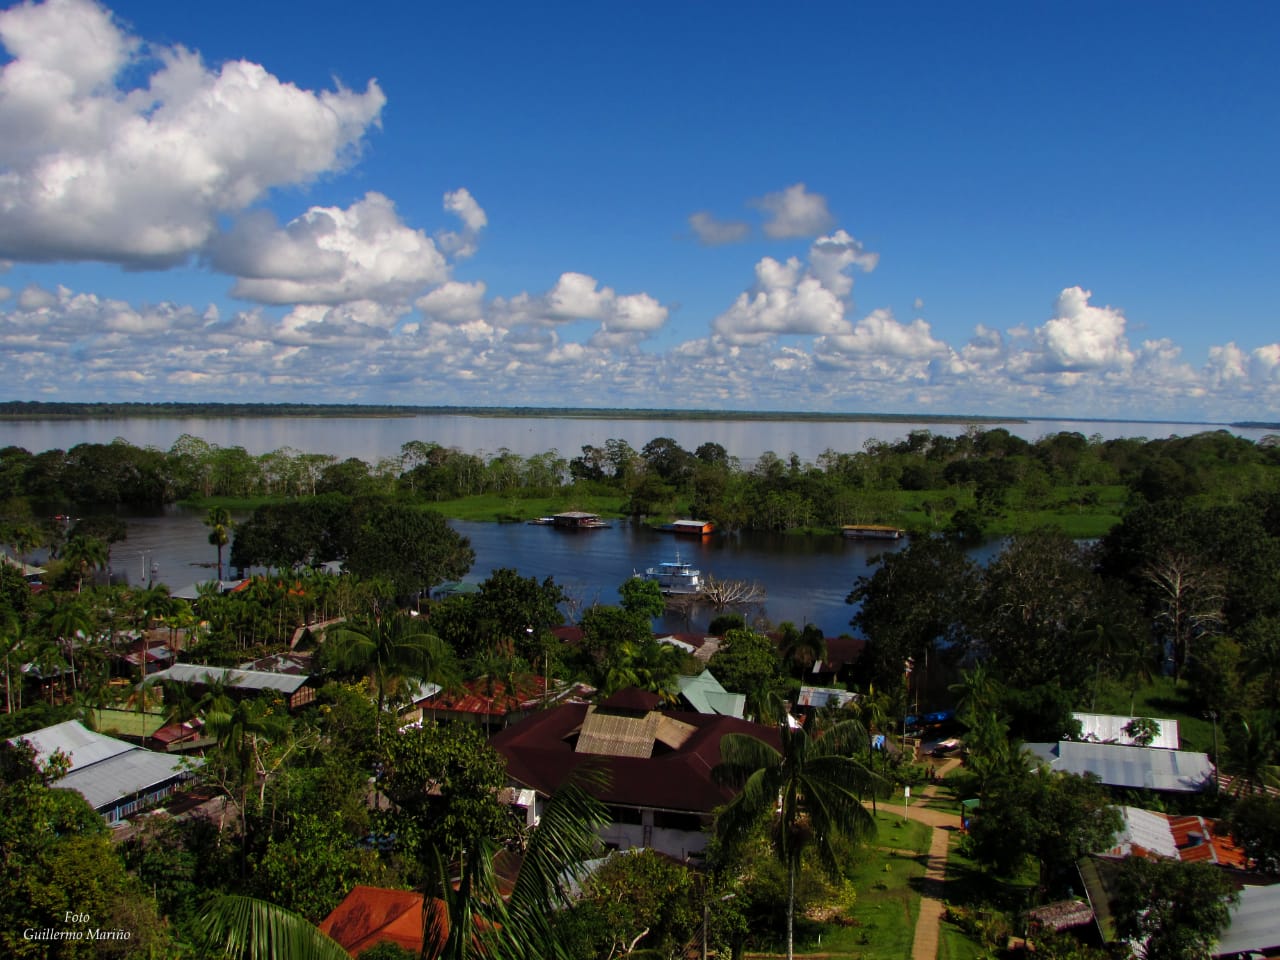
(391, 649)
(83, 555)
(1253, 754)
(11, 640)
(241, 729)
(478, 923)
(801, 648)
(219, 522)
(812, 789)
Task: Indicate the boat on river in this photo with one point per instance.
(871, 531)
(676, 578)
(572, 520)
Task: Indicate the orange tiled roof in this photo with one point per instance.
(1211, 846)
(373, 915)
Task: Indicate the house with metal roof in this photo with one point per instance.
(1189, 838)
(704, 694)
(117, 778)
(1109, 728)
(1253, 927)
(1144, 768)
(654, 765)
(294, 688)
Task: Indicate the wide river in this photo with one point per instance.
(374, 437)
(805, 579)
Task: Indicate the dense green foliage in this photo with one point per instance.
(1176, 910)
(1186, 581)
(981, 481)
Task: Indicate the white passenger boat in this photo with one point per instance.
(676, 578)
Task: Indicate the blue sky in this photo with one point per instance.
(1006, 208)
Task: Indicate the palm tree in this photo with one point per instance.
(801, 648)
(811, 788)
(1254, 756)
(391, 649)
(84, 554)
(477, 922)
(219, 523)
(11, 643)
(240, 730)
(248, 929)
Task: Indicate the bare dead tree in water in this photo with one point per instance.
(722, 594)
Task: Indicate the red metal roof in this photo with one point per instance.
(371, 915)
(479, 697)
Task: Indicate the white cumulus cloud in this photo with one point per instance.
(92, 168)
(786, 300)
(715, 233)
(794, 212)
(453, 303)
(880, 334)
(1081, 336)
(462, 243)
(330, 255)
(831, 258)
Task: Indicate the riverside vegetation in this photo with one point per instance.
(1176, 609)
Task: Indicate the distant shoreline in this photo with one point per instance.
(34, 410)
(37, 410)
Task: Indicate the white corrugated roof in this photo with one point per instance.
(1253, 923)
(82, 746)
(103, 769)
(239, 679)
(1148, 830)
(1109, 728)
(1141, 767)
(122, 776)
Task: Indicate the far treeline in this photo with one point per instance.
(983, 482)
(44, 410)
(979, 483)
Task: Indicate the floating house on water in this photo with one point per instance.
(577, 520)
(871, 531)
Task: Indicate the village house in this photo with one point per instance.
(294, 689)
(118, 779)
(654, 766)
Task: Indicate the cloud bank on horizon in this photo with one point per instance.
(142, 157)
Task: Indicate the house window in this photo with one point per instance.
(625, 815)
(666, 820)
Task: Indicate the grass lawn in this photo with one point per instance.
(968, 884)
(1161, 699)
(954, 945)
(128, 723)
(888, 882)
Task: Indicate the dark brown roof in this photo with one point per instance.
(841, 652)
(540, 753)
(632, 699)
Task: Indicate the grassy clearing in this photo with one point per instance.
(970, 885)
(1162, 699)
(954, 945)
(127, 723)
(882, 923)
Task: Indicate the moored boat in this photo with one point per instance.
(676, 578)
(871, 531)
